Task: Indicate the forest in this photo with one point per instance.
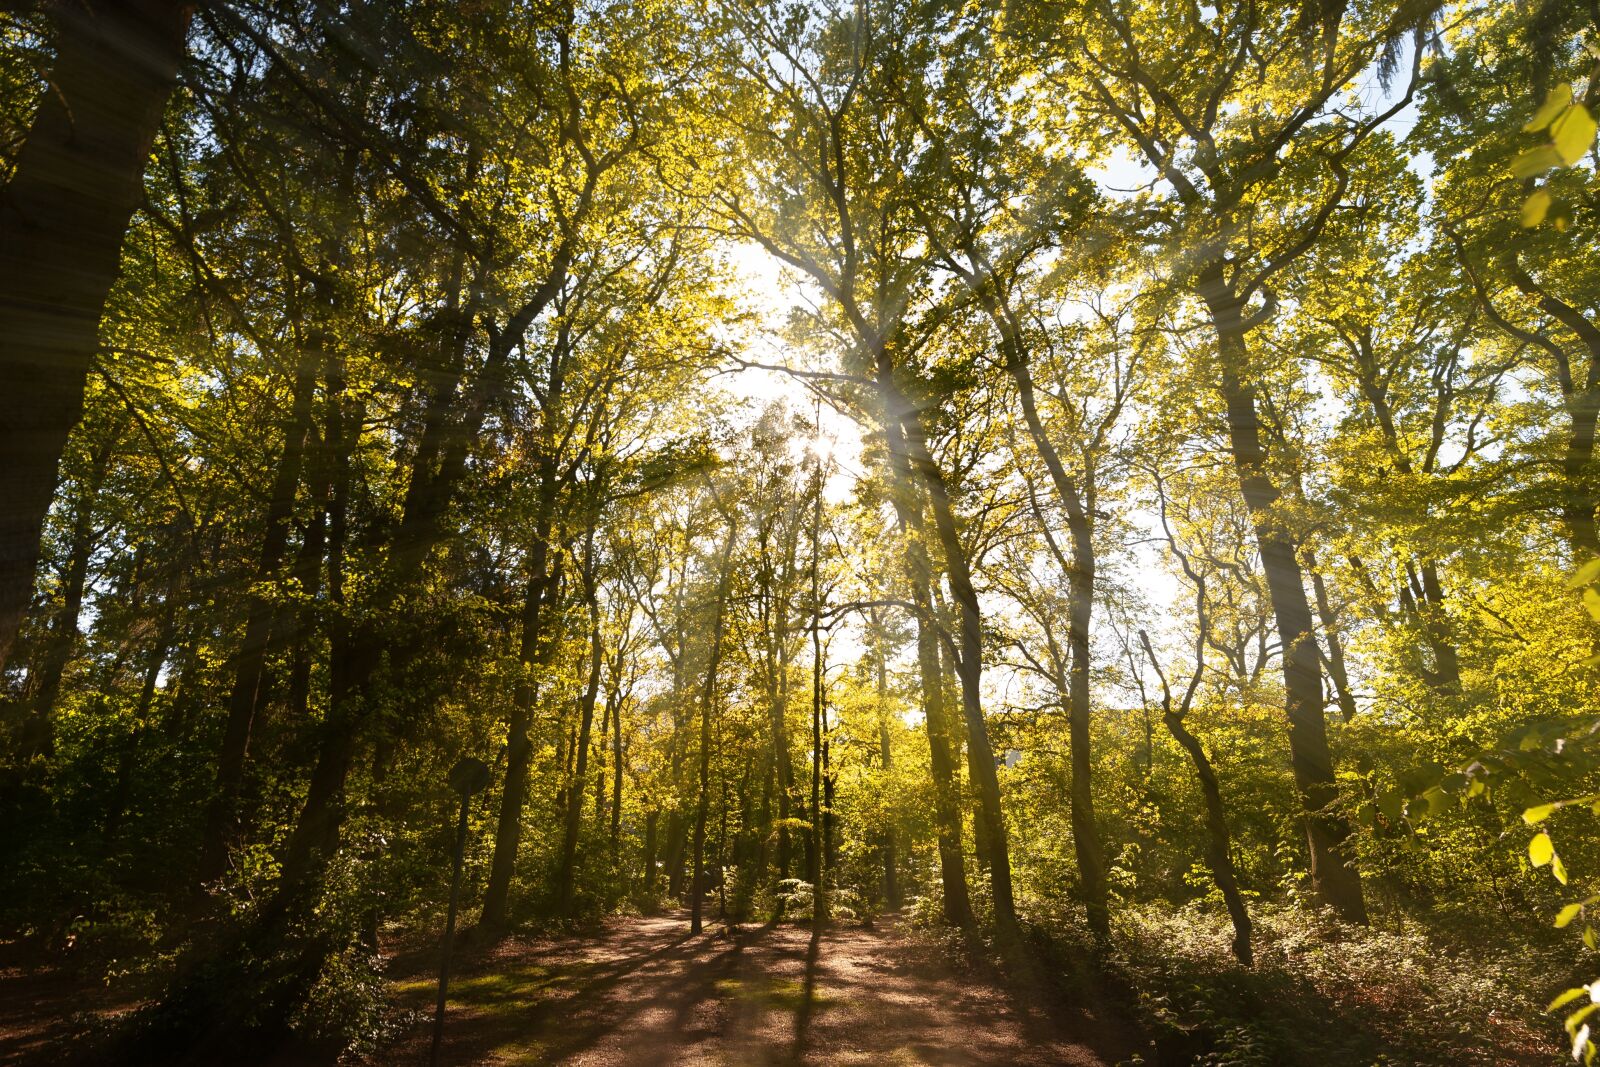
(799, 531)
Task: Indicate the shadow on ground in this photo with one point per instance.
(644, 992)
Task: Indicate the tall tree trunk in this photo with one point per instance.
(244, 698)
(575, 795)
(602, 754)
(1219, 842)
(1330, 634)
(1436, 628)
(908, 505)
(63, 214)
(969, 666)
(982, 849)
(830, 843)
(351, 655)
(942, 767)
(308, 573)
(543, 583)
(707, 699)
(165, 631)
(891, 878)
(785, 758)
(677, 842)
(616, 773)
(420, 530)
(1080, 607)
(936, 721)
(651, 819)
(1335, 879)
(817, 852)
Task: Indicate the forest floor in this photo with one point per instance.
(42, 1006)
(644, 992)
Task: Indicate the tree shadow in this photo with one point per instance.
(808, 998)
(546, 1008)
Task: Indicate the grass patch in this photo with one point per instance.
(784, 994)
(497, 991)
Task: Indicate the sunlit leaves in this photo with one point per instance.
(1538, 813)
(1571, 129)
(1540, 850)
(1535, 208)
(1572, 134)
(1585, 575)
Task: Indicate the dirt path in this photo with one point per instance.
(644, 992)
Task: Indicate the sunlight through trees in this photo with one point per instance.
(1112, 483)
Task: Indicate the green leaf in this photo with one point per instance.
(1591, 600)
(1535, 161)
(1535, 208)
(1573, 133)
(1539, 813)
(1392, 805)
(1565, 916)
(1426, 805)
(1589, 938)
(1558, 869)
(1540, 850)
(1585, 574)
(1555, 102)
(1567, 996)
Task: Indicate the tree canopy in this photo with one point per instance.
(1112, 480)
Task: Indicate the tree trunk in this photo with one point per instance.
(63, 214)
(351, 659)
(677, 841)
(908, 507)
(616, 774)
(969, 666)
(708, 697)
(780, 733)
(1219, 842)
(1335, 880)
(250, 663)
(650, 821)
(543, 584)
(942, 767)
(1446, 673)
(578, 790)
(891, 879)
(602, 756)
(1080, 587)
(817, 852)
(1330, 634)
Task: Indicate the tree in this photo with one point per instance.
(1238, 214)
(68, 196)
